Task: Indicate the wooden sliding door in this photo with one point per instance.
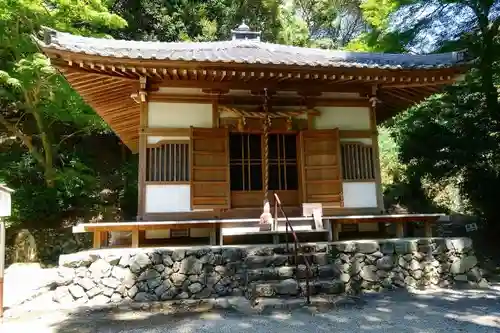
(247, 169)
(210, 168)
(320, 167)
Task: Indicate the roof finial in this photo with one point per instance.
(243, 32)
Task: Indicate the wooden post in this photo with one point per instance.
(143, 144)
(135, 238)
(330, 231)
(376, 153)
(97, 239)
(336, 230)
(427, 228)
(213, 235)
(221, 237)
(400, 230)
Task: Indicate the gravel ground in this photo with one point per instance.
(430, 311)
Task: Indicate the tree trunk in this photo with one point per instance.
(50, 172)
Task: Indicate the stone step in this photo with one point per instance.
(290, 287)
(287, 272)
(282, 249)
(278, 260)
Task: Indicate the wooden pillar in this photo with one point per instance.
(400, 230)
(143, 143)
(221, 237)
(336, 230)
(97, 239)
(376, 153)
(330, 230)
(135, 238)
(215, 112)
(213, 235)
(428, 228)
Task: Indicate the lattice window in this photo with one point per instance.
(357, 161)
(245, 156)
(283, 173)
(168, 162)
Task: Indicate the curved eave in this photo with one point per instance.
(106, 83)
(346, 68)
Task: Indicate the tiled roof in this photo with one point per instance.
(244, 52)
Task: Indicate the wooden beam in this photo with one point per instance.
(356, 134)
(256, 84)
(256, 100)
(167, 131)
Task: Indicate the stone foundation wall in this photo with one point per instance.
(117, 275)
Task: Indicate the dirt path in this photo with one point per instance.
(430, 311)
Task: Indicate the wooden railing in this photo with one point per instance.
(297, 247)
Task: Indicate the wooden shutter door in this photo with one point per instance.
(320, 167)
(210, 168)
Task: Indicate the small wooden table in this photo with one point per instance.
(399, 219)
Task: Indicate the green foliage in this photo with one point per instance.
(195, 20)
(452, 136)
(40, 114)
(330, 23)
(441, 155)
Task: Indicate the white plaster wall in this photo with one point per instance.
(179, 115)
(360, 194)
(345, 118)
(168, 198)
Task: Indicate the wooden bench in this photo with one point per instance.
(232, 227)
(334, 222)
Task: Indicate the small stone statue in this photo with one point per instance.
(25, 249)
(266, 217)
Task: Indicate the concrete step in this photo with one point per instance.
(253, 226)
(290, 287)
(287, 272)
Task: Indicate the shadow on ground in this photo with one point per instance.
(399, 311)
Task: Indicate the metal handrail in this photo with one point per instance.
(277, 205)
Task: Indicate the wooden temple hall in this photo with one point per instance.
(221, 127)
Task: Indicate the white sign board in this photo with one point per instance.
(5, 204)
(2, 249)
(470, 227)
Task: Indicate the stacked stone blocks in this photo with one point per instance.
(143, 275)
